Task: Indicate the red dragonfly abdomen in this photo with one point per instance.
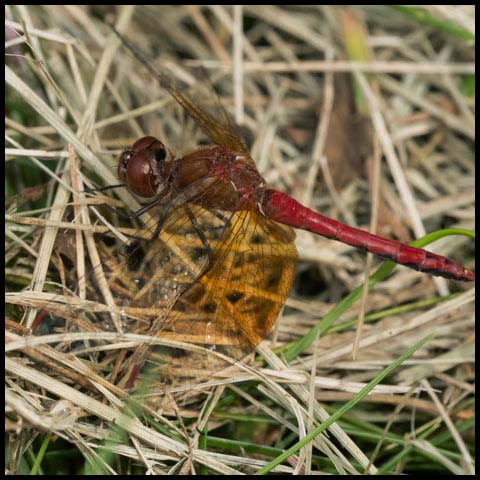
(284, 209)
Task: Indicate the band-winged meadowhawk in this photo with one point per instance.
(220, 258)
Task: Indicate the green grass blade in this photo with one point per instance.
(423, 16)
(348, 406)
(293, 349)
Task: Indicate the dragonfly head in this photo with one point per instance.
(141, 166)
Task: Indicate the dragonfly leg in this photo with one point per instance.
(146, 207)
(161, 221)
(197, 228)
(221, 217)
(102, 189)
(116, 211)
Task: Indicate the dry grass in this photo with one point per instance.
(404, 134)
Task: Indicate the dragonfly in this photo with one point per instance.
(220, 258)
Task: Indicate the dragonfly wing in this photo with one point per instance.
(147, 277)
(155, 271)
(212, 282)
(217, 126)
(233, 305)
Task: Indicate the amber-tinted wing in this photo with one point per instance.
(147, 276)
(232, 306)
(219, 129)
(217, 126)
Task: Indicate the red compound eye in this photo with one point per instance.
(139, 166)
